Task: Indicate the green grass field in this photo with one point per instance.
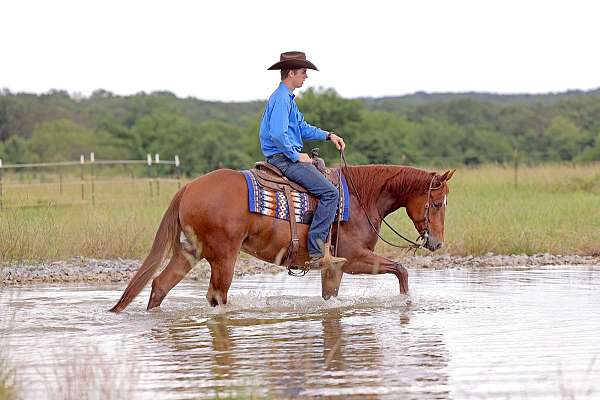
(554, 209)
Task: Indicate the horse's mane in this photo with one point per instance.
(370, 180)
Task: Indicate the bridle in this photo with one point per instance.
(424, 234)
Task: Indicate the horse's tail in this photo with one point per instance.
(164, 243)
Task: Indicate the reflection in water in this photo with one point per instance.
(334, 344)
(482, 334)
(338, 352)
(222, 347)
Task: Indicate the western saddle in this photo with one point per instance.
(269, 176)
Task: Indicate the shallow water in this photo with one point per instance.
(531, 333)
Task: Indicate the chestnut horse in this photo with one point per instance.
(209, 218)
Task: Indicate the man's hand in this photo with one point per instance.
(304, 158)
(338, 141)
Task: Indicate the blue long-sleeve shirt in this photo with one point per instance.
(283, 127)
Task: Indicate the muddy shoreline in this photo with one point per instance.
(81, 270)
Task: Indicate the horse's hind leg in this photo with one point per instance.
(173, 273)
(221, 275)
(222, 265)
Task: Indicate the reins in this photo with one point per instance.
(413, 245)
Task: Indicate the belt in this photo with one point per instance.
(278, 155)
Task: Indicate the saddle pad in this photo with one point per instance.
(265, 201)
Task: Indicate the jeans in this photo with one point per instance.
(309, 177)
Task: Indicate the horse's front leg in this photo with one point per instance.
(330, 282)
(370, 263)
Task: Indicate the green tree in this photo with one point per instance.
(122, 136)
(479, 145)
(16, 150)
(565, 140)
(249, 140)
(325, 109)
(206, 146)
(592, 152)
(383, 139)
(63, 140)
(12, 114)
(435, 142)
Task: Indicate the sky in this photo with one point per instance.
(220, 50)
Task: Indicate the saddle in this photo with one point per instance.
(269, 176)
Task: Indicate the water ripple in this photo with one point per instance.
(500, 333)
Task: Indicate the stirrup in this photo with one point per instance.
(325, 262)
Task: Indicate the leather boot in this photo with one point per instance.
(326, 261)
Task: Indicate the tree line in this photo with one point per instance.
(419, 129)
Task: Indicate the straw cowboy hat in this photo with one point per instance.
(293, 60)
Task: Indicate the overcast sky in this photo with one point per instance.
(220, 50)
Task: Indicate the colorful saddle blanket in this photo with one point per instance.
(266, 201)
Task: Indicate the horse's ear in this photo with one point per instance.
(447, 175)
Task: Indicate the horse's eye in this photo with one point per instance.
(438, 205)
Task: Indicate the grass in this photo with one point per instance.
(122, 222)
(553, 209)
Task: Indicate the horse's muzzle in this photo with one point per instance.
(433, 243)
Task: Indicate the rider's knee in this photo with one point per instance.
(332, 193)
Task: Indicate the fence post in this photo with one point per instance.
(1, 203)
(157, 160)
(516, 164)
(149, 164)
(92, 159)
(81, 161)
(178, 172)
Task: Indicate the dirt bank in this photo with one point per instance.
(113, 271)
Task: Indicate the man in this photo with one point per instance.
(282, 131)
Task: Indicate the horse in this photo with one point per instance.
(209, 218)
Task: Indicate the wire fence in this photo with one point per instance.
(88, 181)
(92, 181)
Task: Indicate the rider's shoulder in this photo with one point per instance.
(280, 96)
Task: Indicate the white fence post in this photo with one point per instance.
(177, 171)
(149, 164)
(92, 159)
(1, 183)
(82, 161)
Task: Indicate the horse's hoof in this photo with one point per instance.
(156, 297)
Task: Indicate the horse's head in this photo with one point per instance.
(427, 210)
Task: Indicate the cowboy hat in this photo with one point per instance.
(293, 60)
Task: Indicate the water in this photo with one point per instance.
(530, 333)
